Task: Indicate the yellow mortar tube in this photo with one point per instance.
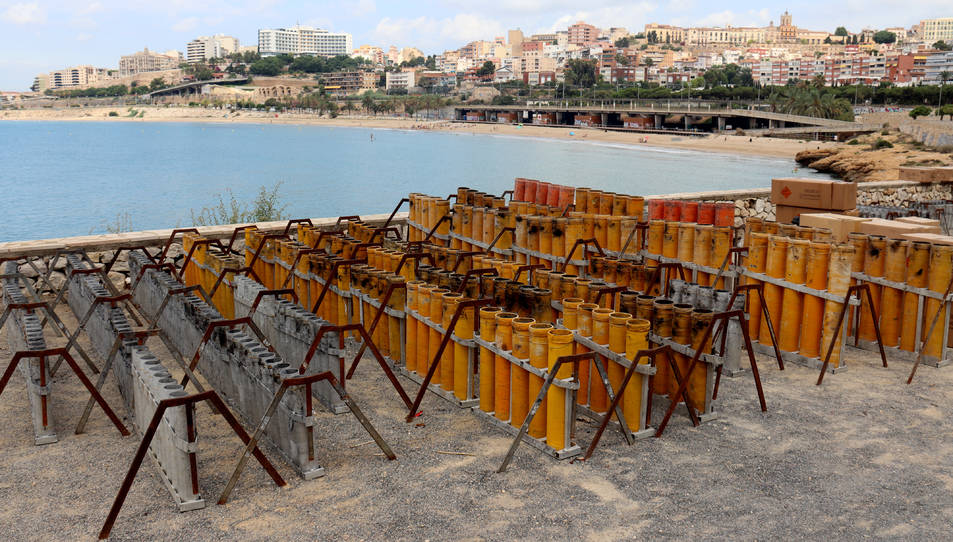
(519, 377)
(397, 302)
(895, 267)
(614, 233)
(598, 400)
(682, 334)
(812, 316)
(476, 226)
(635, 207)
(617, 323)
(702, 252)
(487, 358)
(662, 322)
(546, 235)
(560, 344)
(584, 326)
(686, 241)
(489, 225)
(601, 229)
(720, 247)
(501, 378)
(539, 358)
(698, 382)
(874, 266)
(859, 242)
(434, 337)
(411, 325)
(774, 267)
(670, 239)
(916, 276)
(461, 353)
(792, 301)
(559, 237)
(521, 238)
(629, 229)
(636, 339)
(756, 261)
(574, 231)
(456, 225)
(937, 281)
(838, 281)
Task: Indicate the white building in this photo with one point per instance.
(207, 47)
(934, 30)
(936, 64)
(303, 40)
(400, 80)
(148, 61)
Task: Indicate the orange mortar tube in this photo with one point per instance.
(938, 280)
(838, 281)
(670, 239)
(895, 267)
(601, 229)
(874, 266)
(681, 334)
(720, 247)
(436, 317)
(614, 233)
(598, 400)
(686, 241)
(487, 358)
(519, 392)
(411, 326)
(574, 232)
(476, 223)
(916, 276)
(617, 323)
(545, 235)
(501, 377)
(539, 358)
(774, 267)
(397, 302)
(636, 339)
(698, 382)
(859, 242)
(812, 315)
(584, 326)
(461, 353)
(559, 247)
(792, 301)
(756, 261)
(702, 251)
(560, 344)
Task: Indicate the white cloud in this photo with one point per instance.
(185, 25)
(632, 16)
(361, 8)
(89, 9)
(24, 13)
(428, 32)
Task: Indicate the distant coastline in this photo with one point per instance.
(725, 144)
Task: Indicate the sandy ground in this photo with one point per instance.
(864, 456)
(761, 146)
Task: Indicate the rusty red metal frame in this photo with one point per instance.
(462, 256)
(276, 293)
(119, 251)
(585, 243)
(221, 278)
(377, 317)
(851, 291)
(231, 240)
(341, 330)
(503, 195)
(294, 221)
(936, 318)
(172, 236)
(307, 382)
(382, 230)
(610, 291)
(212, 326)
(197, 244)
(530, 268)
(657, 274)
(106, 283)
(650, 353)
(156, 266)
(683, 384)
(447, 334)
(63, 330)
(42, 355)
(189, 401)
(416, 256)
(394, 212)
(331, 278)
(261, 246)
(113, 301)
(489, 247)
(639, 226)
(733, 251)
(443, 219)
(294, 264)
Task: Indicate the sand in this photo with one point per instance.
(732, 144)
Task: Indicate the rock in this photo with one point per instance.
(57, 280)
(121, 266)
(29, 272)
(118, 280)
(759, 206)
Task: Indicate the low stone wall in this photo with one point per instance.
(756, 202)
(936, 134)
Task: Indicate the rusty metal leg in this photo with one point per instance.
(240, 431)
(81, 426)
(386, 368)
(381, 443)
(72, 341)
(754, 366)
(604, 375)
(767, 318)
(96, 395)
(612, 407)
(529, 418)
(682, 392)
(834, 336)
(873, 314)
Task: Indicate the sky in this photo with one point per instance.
(41, 35)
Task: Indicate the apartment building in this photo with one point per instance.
(148, 61)
(303, 40)
(934, 30)
(405, 80)
(207, 47)
(74, 76)
(369, 52)
(583, 34)
(937, 66)
(344, 83)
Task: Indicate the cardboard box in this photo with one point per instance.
(840, 225)
(926, 174)
(931, 238)
(920, 221)
(786, 214)
(814, 194)
(890, 229)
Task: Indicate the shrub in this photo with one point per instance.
(882, 144)
(267, 207)
(113, 114)
(854, 141)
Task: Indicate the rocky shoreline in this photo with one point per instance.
(874, 157)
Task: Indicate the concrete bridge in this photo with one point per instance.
(194, 87)
(656, 116)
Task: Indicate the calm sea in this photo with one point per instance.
(72, 178)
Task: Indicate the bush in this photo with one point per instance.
(920, 111)
(113, 114)
(854, 141)
(267, 207)
(882, 144)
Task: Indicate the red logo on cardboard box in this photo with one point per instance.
(786, 192)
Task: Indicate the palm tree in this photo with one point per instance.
(944, 77)
(368, 103)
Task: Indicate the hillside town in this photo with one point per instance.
(656, 56)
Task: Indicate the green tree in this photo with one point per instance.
(270, 66)
(622, 42)
(943, 46)
(885, 36)
(841, 31)
(431, 63)
(157, 84)
(582, 73)
(486, 70)
(946, 110)
(920, 111)
(653, 37)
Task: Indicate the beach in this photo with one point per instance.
(731, 144)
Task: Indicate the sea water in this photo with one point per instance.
(64, 179)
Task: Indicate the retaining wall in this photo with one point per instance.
(242, 370)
